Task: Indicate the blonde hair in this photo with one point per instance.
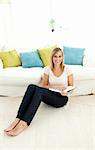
(54, 51)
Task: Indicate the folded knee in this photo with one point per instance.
(58, 106)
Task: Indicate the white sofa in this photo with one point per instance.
(14, 80)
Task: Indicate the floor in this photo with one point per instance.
(69, 128)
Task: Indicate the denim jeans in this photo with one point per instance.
(32, 99)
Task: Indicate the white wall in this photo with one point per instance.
(6, 26)
(77, 21)
(26, 23)
(31, 19)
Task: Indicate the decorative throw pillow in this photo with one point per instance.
(1, 64)
(10, 59)
(45, 54)
(31, 59)
(73, 56)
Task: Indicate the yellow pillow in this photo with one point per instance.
(10, 59)
(45, 54)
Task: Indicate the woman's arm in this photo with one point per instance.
(45, 81)
(70, 83)
(70, 80)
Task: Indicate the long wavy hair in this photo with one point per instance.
(54, 51)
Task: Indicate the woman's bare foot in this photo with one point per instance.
(22, 125)
(16, 121)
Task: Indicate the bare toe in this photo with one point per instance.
(16, 121)
(22, 125)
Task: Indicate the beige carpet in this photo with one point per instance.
(69, 128)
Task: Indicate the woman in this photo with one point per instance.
(57, 76)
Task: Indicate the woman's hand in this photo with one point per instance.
(66, 93)
(63, 93)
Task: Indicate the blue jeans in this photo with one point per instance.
(32, 99)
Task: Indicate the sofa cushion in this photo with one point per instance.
(73, 56)
(45, 54)
(10, 59)
(31, 59)
(83, 73)
(20, 76)
(14, 79)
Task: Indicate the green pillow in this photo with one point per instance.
(10, 59)
(45, 54)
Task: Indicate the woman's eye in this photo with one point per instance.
(58, 56)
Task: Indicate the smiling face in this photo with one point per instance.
(57, 58)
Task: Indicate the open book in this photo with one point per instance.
(68, 89)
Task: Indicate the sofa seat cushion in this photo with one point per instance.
(24, 76)
(20, 76)
(83, 73)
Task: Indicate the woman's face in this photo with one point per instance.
(58, 58)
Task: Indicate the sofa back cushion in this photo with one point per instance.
(10, 59)
(73, 56)
(31, 59)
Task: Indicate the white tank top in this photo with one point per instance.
(62, 79)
